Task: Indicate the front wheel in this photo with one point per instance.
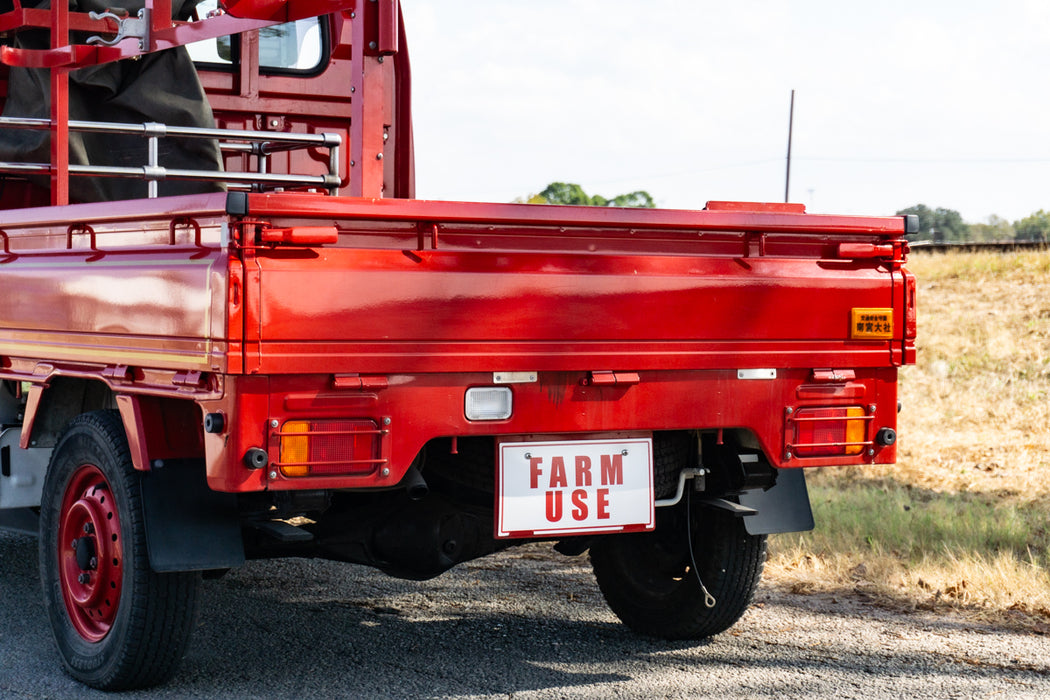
(118, 625)
(649, 581)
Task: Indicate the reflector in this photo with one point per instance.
(829, 432)
(329, 447)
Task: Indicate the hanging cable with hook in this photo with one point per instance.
(709, 600)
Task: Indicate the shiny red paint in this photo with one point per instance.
(564, 292)
(89, 515)
(428, 405)
(381, 310)
(749, 218)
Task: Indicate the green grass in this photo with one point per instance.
(953, 265)
(918, 549)
(910, 524)
(963, 519)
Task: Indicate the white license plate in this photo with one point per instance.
(574, 487)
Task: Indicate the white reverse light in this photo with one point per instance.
(488, 403)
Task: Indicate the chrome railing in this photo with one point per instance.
(261, 144)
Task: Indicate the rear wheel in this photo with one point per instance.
(117, 624)
(649, 580)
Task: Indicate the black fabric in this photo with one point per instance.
(160, 87)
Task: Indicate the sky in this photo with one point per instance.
(897, 103)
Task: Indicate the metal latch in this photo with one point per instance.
(127, 27)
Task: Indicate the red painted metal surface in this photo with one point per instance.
(428, 405)
(89, 513)
(127, 293)
(761, 223)
(387, 330)
(285, 10)
(59, 110)
(379, 313)
(164, 33)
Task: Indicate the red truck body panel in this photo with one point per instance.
(417, 301)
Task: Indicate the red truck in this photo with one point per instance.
(231, 333)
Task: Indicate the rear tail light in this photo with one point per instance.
(488, 403)
(830, 432)
(329, 447)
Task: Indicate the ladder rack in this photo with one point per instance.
(257, 143)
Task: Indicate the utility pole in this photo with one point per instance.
(791, 126)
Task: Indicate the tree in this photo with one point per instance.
(566, 193)
(938, 224)
(1034, 227)
(997, 229)
(571, 193)
(640, 199)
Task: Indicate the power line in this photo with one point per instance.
(883, 159)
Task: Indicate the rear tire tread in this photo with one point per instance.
(730, 562)
(147, 642)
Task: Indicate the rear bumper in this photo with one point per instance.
(385, 420)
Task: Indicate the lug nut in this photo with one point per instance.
(89, 528)
(84, 579)
(93, 564)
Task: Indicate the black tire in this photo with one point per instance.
(647, 579)
(118, 625)
(673, 451)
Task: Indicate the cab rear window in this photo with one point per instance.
(294, 47)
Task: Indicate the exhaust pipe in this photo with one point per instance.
(415, 485)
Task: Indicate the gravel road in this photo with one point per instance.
(528, 623)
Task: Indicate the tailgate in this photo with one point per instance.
(413, 286)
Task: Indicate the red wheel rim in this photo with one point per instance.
(90, 563)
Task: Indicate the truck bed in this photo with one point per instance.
(644, 319)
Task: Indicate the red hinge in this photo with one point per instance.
(120, 373)
(356, 381)
(608, 378)
(300, 235)
(856, 251)
(190, 378)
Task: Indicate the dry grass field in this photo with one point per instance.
(962, 521)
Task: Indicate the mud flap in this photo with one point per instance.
(189, 527)
(23, 520)
(782, 508)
